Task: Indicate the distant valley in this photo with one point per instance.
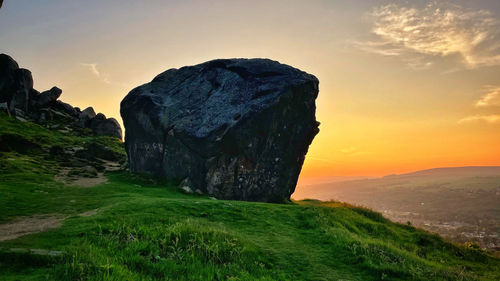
(462, 203)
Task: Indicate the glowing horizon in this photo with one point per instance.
(403, 87)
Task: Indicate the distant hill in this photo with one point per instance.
(469, 171)
(316, 181)
(461, 203)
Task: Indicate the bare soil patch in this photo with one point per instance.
(28, 225)
(69, 177)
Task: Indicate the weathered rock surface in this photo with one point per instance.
(15, 84)
(7, 69)
(85, 116)
(66, 108)
(47, 98)
(106, 127)
(23, 83)
(234, 128)
(19, 99)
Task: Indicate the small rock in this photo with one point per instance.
(4, 107)
(99, 116)
(185, 185)
(187, 189)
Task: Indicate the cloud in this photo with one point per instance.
(93, 68)
(490, 98)
(493, 119)
(436, 30)
(380, 48)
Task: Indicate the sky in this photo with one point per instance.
(404, 85)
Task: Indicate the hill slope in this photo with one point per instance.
(460, 203)
(133, 228)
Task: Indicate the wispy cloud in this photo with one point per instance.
(436, 30)
(490, 98)
(380, 48)
(494, 119)
(93, 68)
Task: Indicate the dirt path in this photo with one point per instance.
(35, 224)
(28, 225)
(87, 181)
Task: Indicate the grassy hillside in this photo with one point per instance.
(134, 228)
(462, 203)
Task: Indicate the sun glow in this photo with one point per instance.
(402, 86)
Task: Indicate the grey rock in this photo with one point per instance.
(15, 84)
(100, 117)
(4, 107)
(8, 67)
(23, 84)
(85, 116)
(42, 117)
(105, 127)
(222, 124)
(22, 119)
(19, 113)
(61, 116)
(47, 98)
(186, 185)
(66, 108)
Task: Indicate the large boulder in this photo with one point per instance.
(16, 84)
(232, 128)
(8, 67)
(22, 87)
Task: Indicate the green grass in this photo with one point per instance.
(148, 230)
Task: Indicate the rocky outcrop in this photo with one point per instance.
(234, 128)
(8, 68)
(46, 98)
(105, 126)
(16, 84)
(85, 116)
(19, 99)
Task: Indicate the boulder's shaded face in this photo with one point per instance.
(236, 128)
(15, 84)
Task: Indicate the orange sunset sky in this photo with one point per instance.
(404, 85)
